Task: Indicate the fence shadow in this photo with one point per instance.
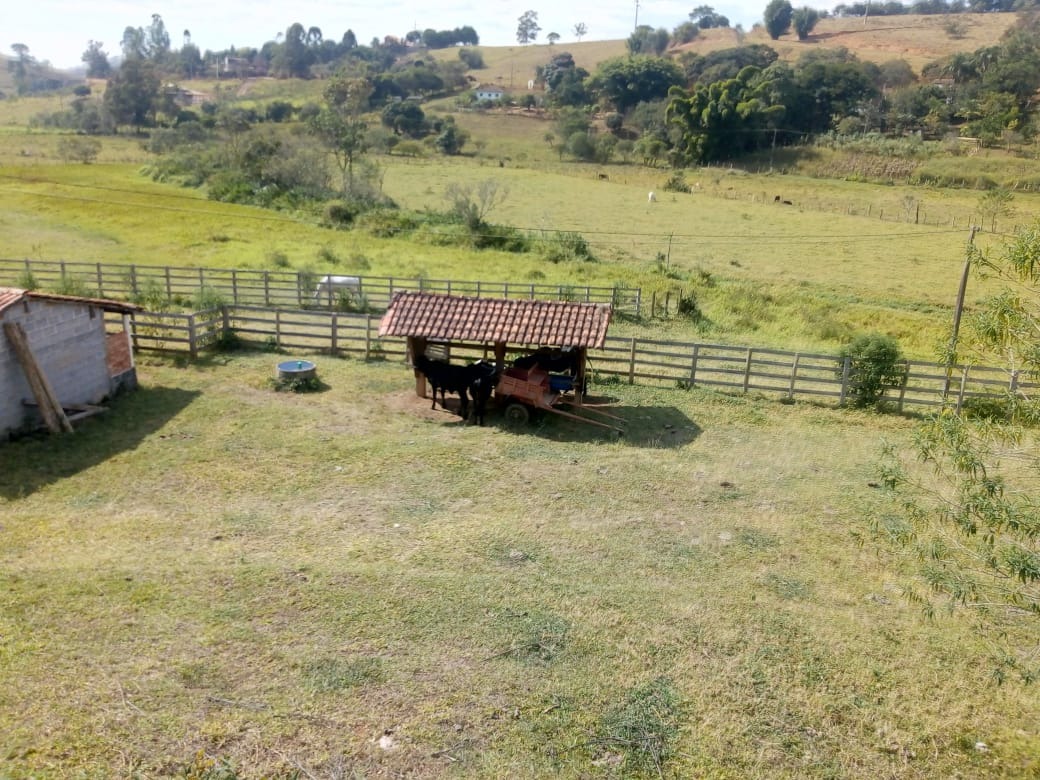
(32, 462)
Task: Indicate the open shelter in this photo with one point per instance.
(57, 356)
(426, 319)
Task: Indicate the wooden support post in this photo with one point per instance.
(50, 408)
(632, 362)
(747, 370)
(100, 282)
(278, 329)
(693, 364)
(846, 367)
(794, 376)
(234, 286)
(902, 386)
(960, 392)
(169, 287)
(225, 321)
(500, 355)
(334, 324)
(193, 346)
(267, 288)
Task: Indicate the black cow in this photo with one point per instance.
(447, 378)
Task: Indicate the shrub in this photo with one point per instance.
(875, 365)
(567, 246)
(207, 298)
(676, 183)
(27, 281)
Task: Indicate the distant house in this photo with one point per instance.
(64, 339)
(489, 92)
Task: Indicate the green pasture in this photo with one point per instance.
(350, 582)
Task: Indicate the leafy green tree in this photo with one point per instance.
(157, 43)
(133, 93)
(341, 127)
(625, 81)
(995, 203)
(473, 58)
(725, 118)
(874, 365)
(580, 30)
(405, 118)
(21, 67)
(552, 38)
(451, 138)
(970, 518)
(647, 40)
(777, 17)
(726, 63)
(134, 43)
(803, 20)
(98, 66)
(293, 58)
(685, 32)
(705, 17)
(527, 28)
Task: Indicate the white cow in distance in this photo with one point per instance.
(651, 198)
(329, 288)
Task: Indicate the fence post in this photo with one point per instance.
(653, 304)
(747, 370)
(960, 392)
(693, 364)
(267, 288)
(846, 367)
(902, 386)
(133, 280)
(100, 282)
(632, 362)
(169, 287)
(225, 322)
(278, 328)
(334, 351)
(368, 335)
(234, 286)
(193, 347)
(478, 288)
(299, 289)
(794, 375)
(1013, 386)
(639, 301)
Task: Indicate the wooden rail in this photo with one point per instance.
(282, 289)
(773, 373)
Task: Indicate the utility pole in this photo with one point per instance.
(637, 15)
(958, 308)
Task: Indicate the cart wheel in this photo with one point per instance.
(517, 414)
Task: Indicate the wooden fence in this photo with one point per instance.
(284, 289)
(774, 373)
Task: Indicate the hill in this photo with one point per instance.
(914, 38)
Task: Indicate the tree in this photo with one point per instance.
(804, 20)
(452, 138)
(552, 38)
(134, 44)
(724, 119)
(132, 93)
(647, 40)
(626, 81)
(21, 67)
(580, 30)
(996, 203)
(405, 117)
(967, 512)
(157, 42)
(340, 125)
(777, 17)
(870, 364)
(98, 66)
(704, 16)
(527, 30)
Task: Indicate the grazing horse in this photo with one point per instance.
(447, 378)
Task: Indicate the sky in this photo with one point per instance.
(58, 30)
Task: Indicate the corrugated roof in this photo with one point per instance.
(12, 295)
(456, 318)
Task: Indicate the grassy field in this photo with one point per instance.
(350, 584)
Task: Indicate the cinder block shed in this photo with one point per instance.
(64, 340)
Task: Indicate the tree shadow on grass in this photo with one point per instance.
(663, 427)
(39, 459)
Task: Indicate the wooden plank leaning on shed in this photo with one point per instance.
(53, 415)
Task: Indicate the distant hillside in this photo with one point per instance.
(916, 39)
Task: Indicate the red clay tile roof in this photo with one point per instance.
(12, 295)
(521, 322)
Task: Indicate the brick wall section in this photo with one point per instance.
(68, 340)
(118, 353)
